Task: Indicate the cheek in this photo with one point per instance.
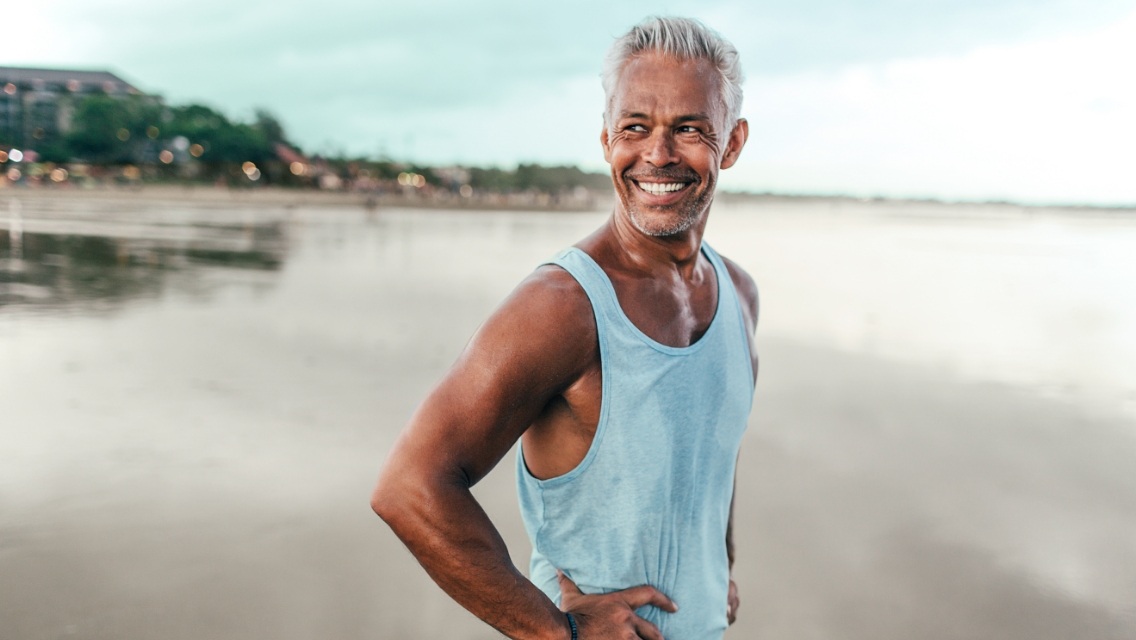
(623, 150)
(712, 144)
(702, 156)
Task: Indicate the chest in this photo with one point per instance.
(671, 311)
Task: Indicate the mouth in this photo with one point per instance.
(665, 190)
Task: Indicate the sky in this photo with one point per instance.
(1027, 100)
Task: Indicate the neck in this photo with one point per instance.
(645, 252)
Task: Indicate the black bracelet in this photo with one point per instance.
(572, 623)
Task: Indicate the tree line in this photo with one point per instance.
(136, 129)
(142, 130)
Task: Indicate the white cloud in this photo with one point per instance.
(33, 36)
(1046, 121)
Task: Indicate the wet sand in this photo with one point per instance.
(191, 456)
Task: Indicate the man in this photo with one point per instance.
(625, 367)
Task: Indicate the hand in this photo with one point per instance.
(732, 602)
(612, 615)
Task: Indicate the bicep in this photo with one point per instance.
(532, 348)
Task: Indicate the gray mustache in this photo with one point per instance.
(663, 175)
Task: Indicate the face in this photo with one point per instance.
(665, 142)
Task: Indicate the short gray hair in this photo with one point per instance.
(682, 38)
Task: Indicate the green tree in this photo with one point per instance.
(493, 179)
(97, 124)
(222, 140)
(270, 127)
(107, 129)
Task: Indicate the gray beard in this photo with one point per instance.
(686, 218)
(689, 215)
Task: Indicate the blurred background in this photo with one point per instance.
(239, 243)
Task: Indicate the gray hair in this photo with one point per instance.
(682, 38)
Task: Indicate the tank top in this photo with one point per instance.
(650, 502)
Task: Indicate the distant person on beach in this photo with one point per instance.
(625, 367)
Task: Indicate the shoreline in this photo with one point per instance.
(279, 196)
(524, 201)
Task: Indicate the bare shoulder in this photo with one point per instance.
(536, 344)
(550, 301)
(546, 324)
(745, 286)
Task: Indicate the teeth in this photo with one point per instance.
(659, 188)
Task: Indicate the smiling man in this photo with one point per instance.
(625, 367)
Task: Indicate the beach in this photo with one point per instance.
(197, 396)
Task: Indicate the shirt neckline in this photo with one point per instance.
(655, 344)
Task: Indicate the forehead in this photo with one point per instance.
(659, 86)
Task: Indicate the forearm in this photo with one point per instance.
(730, 540)
(454, 540)
(730, 527)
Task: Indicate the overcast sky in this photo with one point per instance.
(968, 99)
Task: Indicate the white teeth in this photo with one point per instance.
(659, 188)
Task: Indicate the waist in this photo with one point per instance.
(699, 590)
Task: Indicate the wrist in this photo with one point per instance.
(561, 629)
(572, 625)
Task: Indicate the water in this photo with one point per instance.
(196, 399)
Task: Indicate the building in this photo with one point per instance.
(36, 104)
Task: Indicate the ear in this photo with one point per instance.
(734, 145)
(606, 144)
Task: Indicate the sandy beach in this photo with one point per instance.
(195, 399)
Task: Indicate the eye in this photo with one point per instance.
(635, 127)
(686, 128)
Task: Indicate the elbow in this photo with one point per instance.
(400, 495)
(385, 500)
(388, 498)
(406, 495)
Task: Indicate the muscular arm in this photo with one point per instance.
(731, 595)
(540, 344)
(730, 527)
(533, 347)
(747, 293)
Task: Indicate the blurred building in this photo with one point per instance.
(36, 104)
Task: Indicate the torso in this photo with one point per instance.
(667, 307)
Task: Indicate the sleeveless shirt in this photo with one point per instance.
(650, 502)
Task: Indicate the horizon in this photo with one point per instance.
(973, 102)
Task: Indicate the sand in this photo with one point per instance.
(189, 443)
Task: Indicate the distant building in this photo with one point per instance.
(36, 104)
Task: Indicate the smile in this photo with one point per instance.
(661, 188)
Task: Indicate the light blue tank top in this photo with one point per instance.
(650, 501)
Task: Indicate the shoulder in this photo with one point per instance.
(745, 286)
(553, 295)
(545, 324)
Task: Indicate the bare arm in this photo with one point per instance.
(529, 351)
(747, 293)
(730, 526)
(498, 386)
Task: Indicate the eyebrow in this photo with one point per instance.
(692, 117)
(684, 118)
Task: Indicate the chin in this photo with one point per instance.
(666, 221)
(662, 224)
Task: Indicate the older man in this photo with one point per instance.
(625, 367)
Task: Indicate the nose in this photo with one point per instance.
(661, 148)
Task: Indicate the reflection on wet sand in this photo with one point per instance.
(54, 256)
(190, 466)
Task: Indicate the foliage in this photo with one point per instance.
(537, 178)
(138, 129)
(222, 140)
(493, 179)
(98, 124)
(108, 130)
